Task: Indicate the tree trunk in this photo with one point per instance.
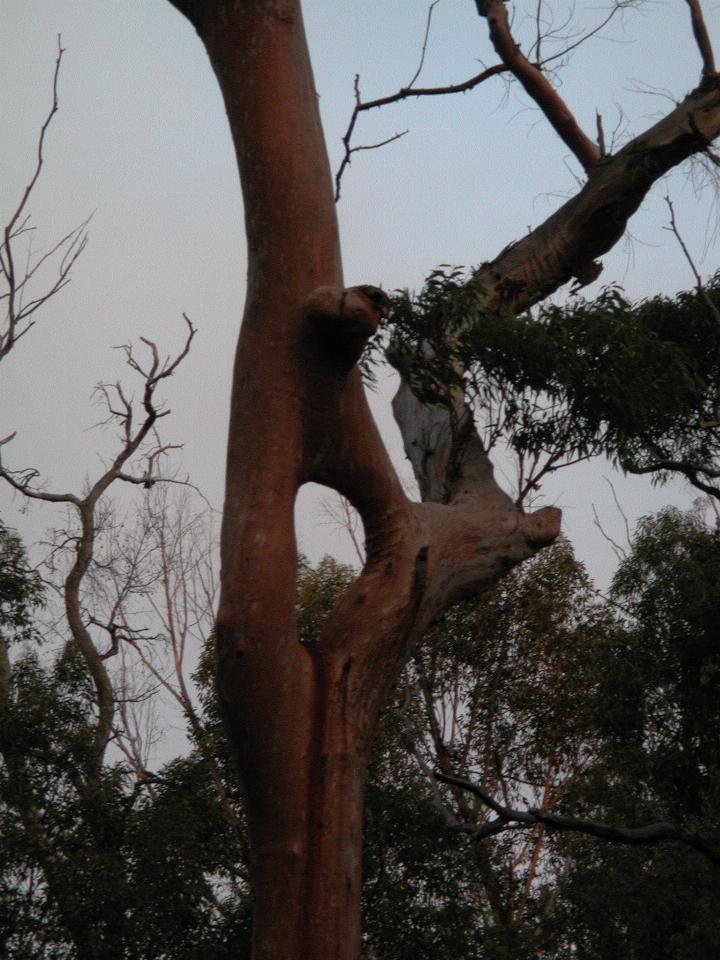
(302, 716)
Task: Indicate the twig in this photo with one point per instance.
(600, 133)
(425, 43)
(618, 506)
(352, 150)
(619, 552)
(673, 228)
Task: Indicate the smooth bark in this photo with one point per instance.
(301, 716)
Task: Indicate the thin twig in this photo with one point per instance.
(702, 292)
(425, 42)
(41, 143)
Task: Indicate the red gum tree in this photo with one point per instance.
(301, 716)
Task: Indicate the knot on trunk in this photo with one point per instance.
(542, 527)
(345, 319)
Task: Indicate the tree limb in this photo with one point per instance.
(536, 84)
(633, 836)
(86, 508)
(567, 244)
(702, 38)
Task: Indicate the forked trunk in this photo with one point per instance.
(302, 716)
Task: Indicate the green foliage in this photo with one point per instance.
(639, 382)
(107, 866)
(318, 589)
(536, 690)
(502, 692)
(657, 756)
(20, 589)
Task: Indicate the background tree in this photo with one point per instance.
(108, 859)
(657, 754)
(526, 690)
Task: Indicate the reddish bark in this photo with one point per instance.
(301, 717)
(536, 84)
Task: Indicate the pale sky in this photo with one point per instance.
(141, 142)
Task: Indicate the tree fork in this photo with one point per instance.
(301, 717)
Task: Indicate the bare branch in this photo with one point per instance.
(402, 94)
(619, 551)
(709, 303)
(600, 134)
(633, 836)
(425, 42)
(41, 143)
(536, 85)
(18, 313)
(702, 38)
(351, 150)
(569, 47)
(87, 513)
(22, 481)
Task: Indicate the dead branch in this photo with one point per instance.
(509, 818)
(425, 43)
(699, 285)
(403, 94)
(19, 304)
(41, 143)
(86, 508)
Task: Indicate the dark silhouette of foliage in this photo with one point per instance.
(639, 382)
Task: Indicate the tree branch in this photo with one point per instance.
(536, 85)
(403, 94)
(702, 38)
(86, 508)
(699, 285)
(567, 244)
(633, 836)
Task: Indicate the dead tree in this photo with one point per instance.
(138, 437)
(302, 717)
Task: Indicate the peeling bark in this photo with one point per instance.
(568, 243)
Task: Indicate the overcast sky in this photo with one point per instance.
(141, 142)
